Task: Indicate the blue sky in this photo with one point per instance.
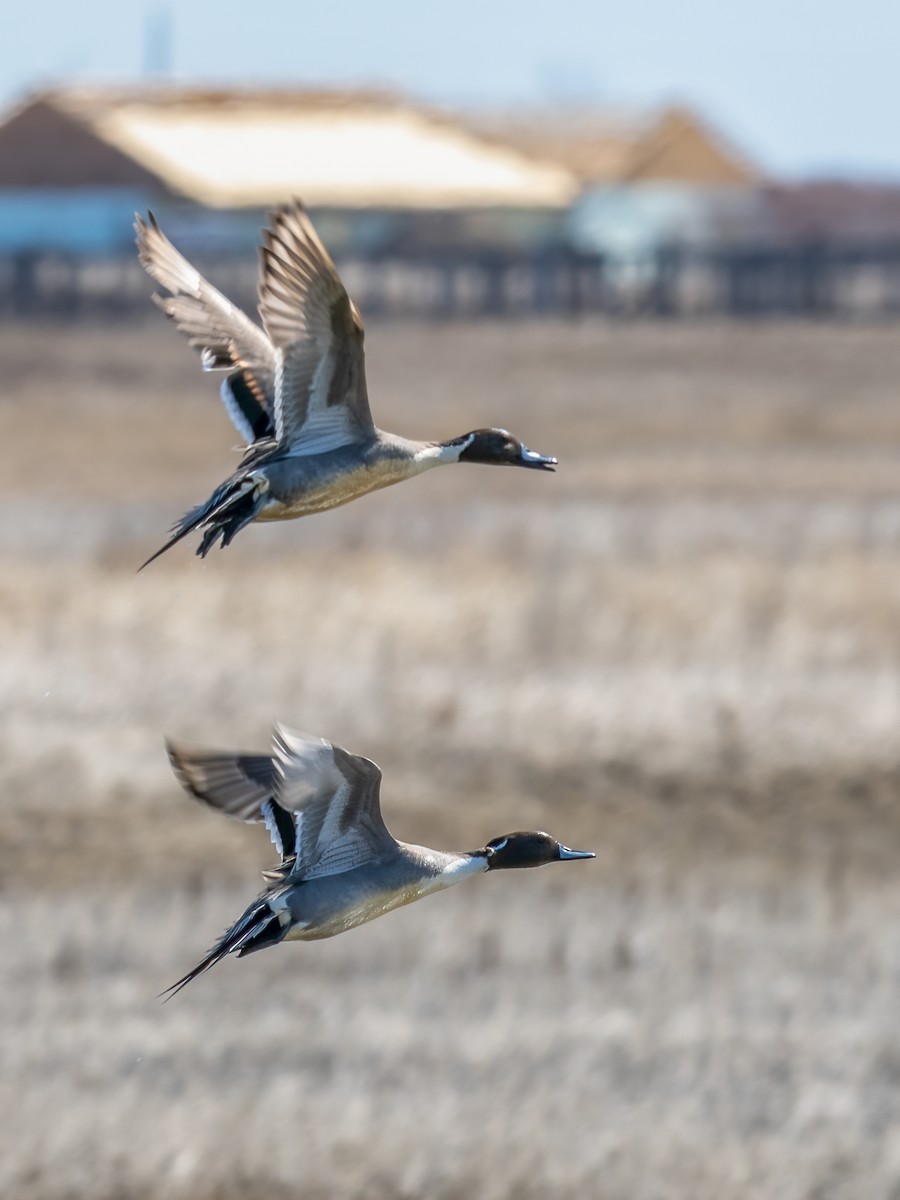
(804, 88)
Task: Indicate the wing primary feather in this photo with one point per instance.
(225, 337)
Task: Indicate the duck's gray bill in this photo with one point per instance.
(541, 461)
(565, 852)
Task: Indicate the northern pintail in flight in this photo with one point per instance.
(295, 389)
(340, 867)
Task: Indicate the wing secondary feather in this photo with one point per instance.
(321, 400)
(335, 797)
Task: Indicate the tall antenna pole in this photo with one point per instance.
(159, 41)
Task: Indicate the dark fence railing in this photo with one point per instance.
(439, 284)
(809, 279)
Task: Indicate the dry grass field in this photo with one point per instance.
(682, 651)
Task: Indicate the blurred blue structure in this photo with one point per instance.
(86, 221)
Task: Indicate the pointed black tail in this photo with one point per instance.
(225, 513)
(256, 928)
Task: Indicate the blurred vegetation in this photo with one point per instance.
(681, 651)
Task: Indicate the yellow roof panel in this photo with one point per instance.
(385, 155)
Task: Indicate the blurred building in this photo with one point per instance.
(546, 211)
(377, 170)
(648, 179)
(425, 214)
(687, 223)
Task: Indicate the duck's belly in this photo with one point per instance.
(349, 915)
(318, 490)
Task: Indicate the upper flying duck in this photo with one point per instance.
(296, 389)
(339, 865)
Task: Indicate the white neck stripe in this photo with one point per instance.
(436, 455)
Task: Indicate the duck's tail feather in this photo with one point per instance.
(280, 873)
(255, 929)
(224, 514)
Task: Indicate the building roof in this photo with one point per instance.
(612, 147)
(232, 149)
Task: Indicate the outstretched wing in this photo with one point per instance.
(334, 799)
(321, 401)
(239, 785)
(320, 804)
(226, 337)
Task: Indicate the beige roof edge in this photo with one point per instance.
(607, 147)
